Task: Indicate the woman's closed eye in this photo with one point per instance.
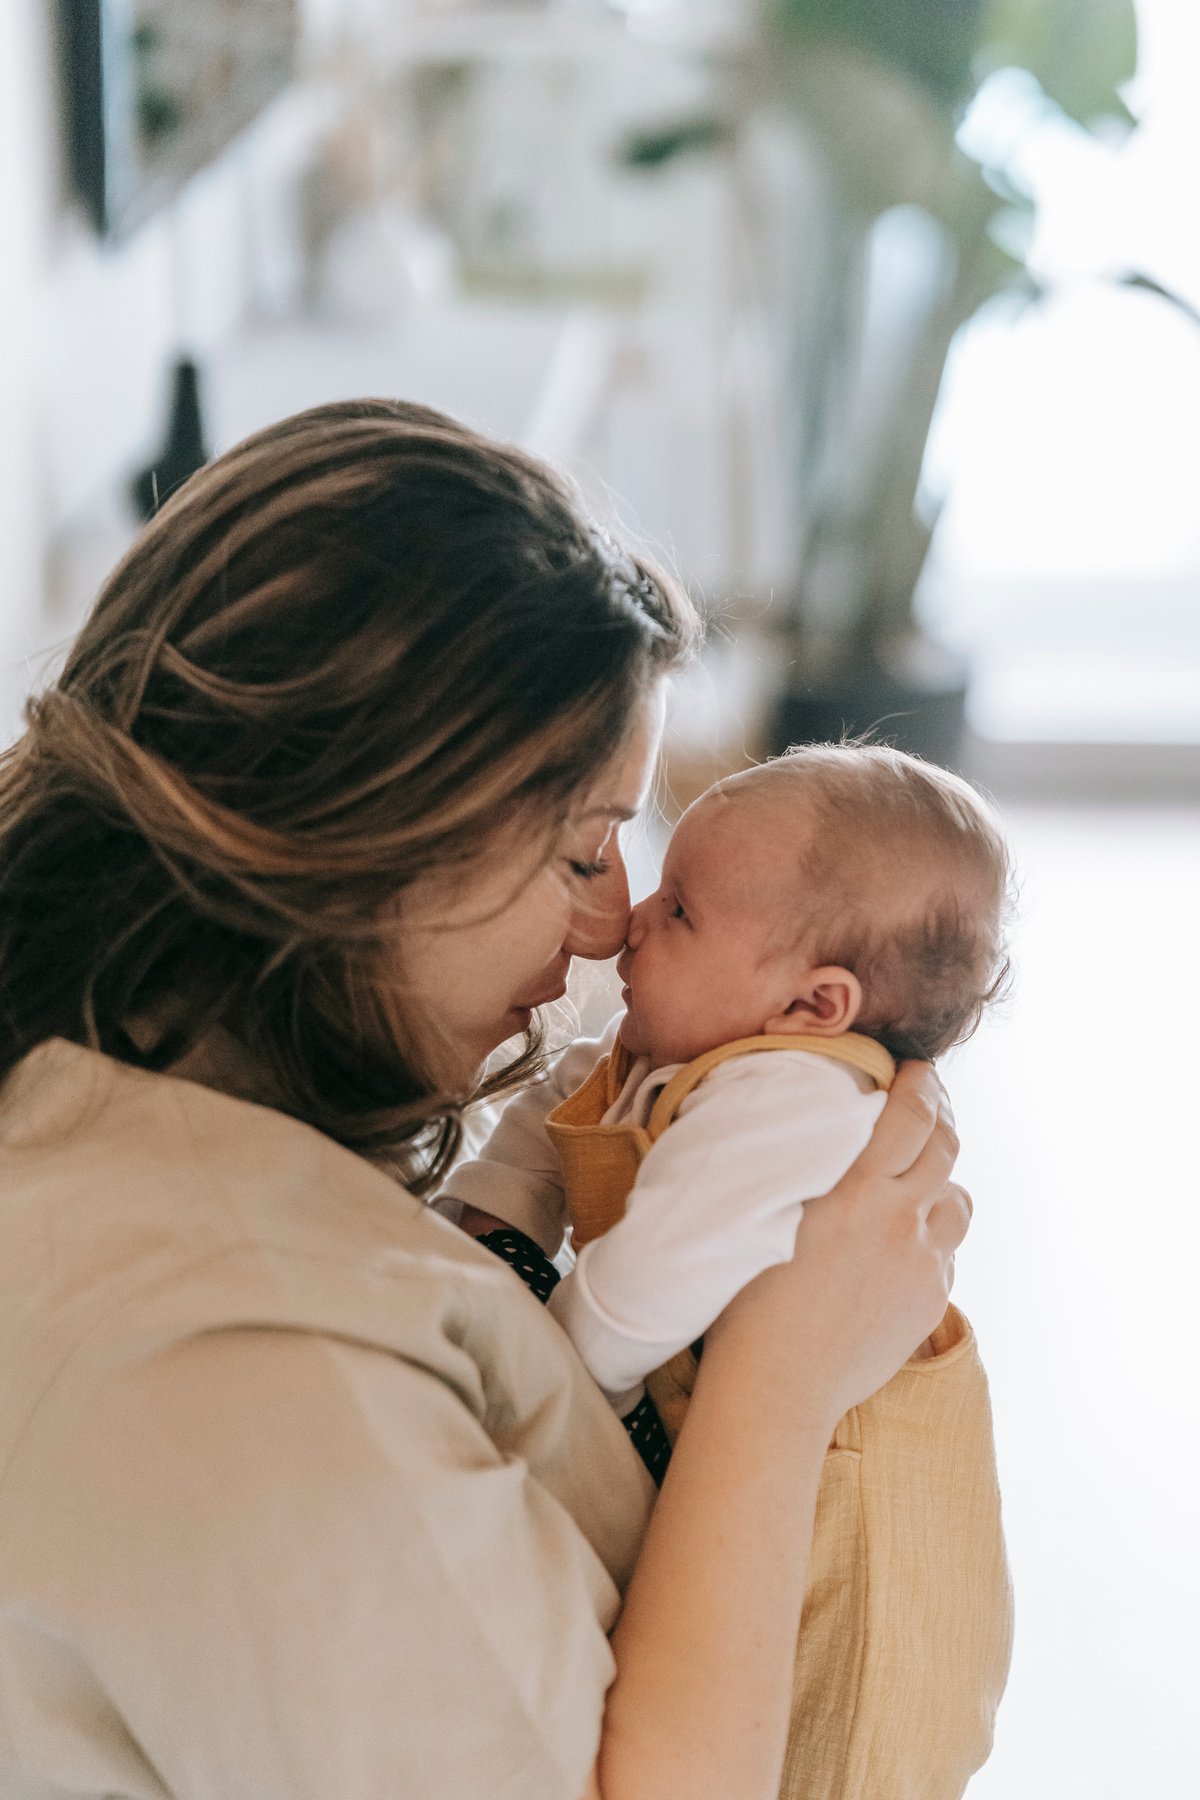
(588, 871)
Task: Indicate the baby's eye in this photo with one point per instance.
(588, 871)
(676, 911)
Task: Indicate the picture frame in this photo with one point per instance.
(153, 90)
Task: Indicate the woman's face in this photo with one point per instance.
(481, 953)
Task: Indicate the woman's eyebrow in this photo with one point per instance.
(624, 813)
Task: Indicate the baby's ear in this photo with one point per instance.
(826, 1002)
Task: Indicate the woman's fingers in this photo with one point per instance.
(917, 1111)
(946, 1120)
(929, 1173)
(948, 1219)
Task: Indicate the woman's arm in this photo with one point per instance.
(706, 1641)
(516, 1178)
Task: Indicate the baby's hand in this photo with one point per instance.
(477, 1224)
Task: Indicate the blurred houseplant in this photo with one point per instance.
(877, 89)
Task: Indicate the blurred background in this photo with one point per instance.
(879, 321)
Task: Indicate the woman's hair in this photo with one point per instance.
(903, 877)
(343, 656)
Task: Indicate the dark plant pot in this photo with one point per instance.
(184, 448)
(915, 700)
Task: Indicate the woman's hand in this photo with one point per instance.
(874, 1259)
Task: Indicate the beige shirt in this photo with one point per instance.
(301, 1491)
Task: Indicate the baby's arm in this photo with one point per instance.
(717, 1200)
(516, 1178)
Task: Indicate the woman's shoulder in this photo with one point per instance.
(250, 1384)
(142, 1213)
(133, 1175)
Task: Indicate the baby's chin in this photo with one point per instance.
(638, 1045)
(660, 1055)
(636, 1042)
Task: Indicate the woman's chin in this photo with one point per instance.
(507, 1034)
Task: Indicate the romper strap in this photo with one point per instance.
(851, 1047)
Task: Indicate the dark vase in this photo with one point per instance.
(913, 695)
(184, 449)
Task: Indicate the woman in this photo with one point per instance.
(303, 1492)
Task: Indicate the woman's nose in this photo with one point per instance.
(601, 913)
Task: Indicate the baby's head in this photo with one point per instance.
(837, 887)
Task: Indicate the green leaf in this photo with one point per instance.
(654, 146)
(932, 41)
(1082, 51)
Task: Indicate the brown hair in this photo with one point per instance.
(343, 655)
(906, 880)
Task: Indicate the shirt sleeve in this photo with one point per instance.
(717, 1200)
(516, 1175)
(341, 1586)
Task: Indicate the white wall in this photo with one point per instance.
(88, 329)
(25, 187)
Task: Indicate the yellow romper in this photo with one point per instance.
(907, 1629)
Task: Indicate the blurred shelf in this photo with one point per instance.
(1085, 773)
(483, 361)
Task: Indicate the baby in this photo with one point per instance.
(818, 917)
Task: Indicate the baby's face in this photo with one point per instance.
(698, 966)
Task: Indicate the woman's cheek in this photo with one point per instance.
(546, 928)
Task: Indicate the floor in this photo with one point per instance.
(1082, 1275)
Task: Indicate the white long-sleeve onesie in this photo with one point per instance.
(718, 1197)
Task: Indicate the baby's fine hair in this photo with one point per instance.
(904, 877)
